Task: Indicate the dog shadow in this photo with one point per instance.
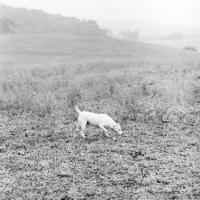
(90, 138)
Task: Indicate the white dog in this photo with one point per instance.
(100, 120)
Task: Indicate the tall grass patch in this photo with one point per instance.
(154, 95)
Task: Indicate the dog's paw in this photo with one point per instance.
(106, 134)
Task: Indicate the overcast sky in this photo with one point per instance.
(164, 11)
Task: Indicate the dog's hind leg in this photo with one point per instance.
(77, 126)
(83, 126)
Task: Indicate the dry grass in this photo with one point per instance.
(156, 102)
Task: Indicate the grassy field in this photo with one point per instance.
(152, 91)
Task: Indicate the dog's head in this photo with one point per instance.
(117, 128)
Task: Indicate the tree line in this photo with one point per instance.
(22, 20)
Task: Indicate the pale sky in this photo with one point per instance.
(164, 11)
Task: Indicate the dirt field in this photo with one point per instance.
(152, 91)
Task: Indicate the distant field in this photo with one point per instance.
(179, 44)
(152, 91)
(45, 50)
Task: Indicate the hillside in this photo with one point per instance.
(22, 20)
(50, 49)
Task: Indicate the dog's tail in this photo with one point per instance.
(77, 110)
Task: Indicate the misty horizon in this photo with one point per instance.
(179, 12)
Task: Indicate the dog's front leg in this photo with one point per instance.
(82, 134)
(105, 130)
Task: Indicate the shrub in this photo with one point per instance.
(189, 48)
(195, 94)
(176, 36)
(73, 96)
